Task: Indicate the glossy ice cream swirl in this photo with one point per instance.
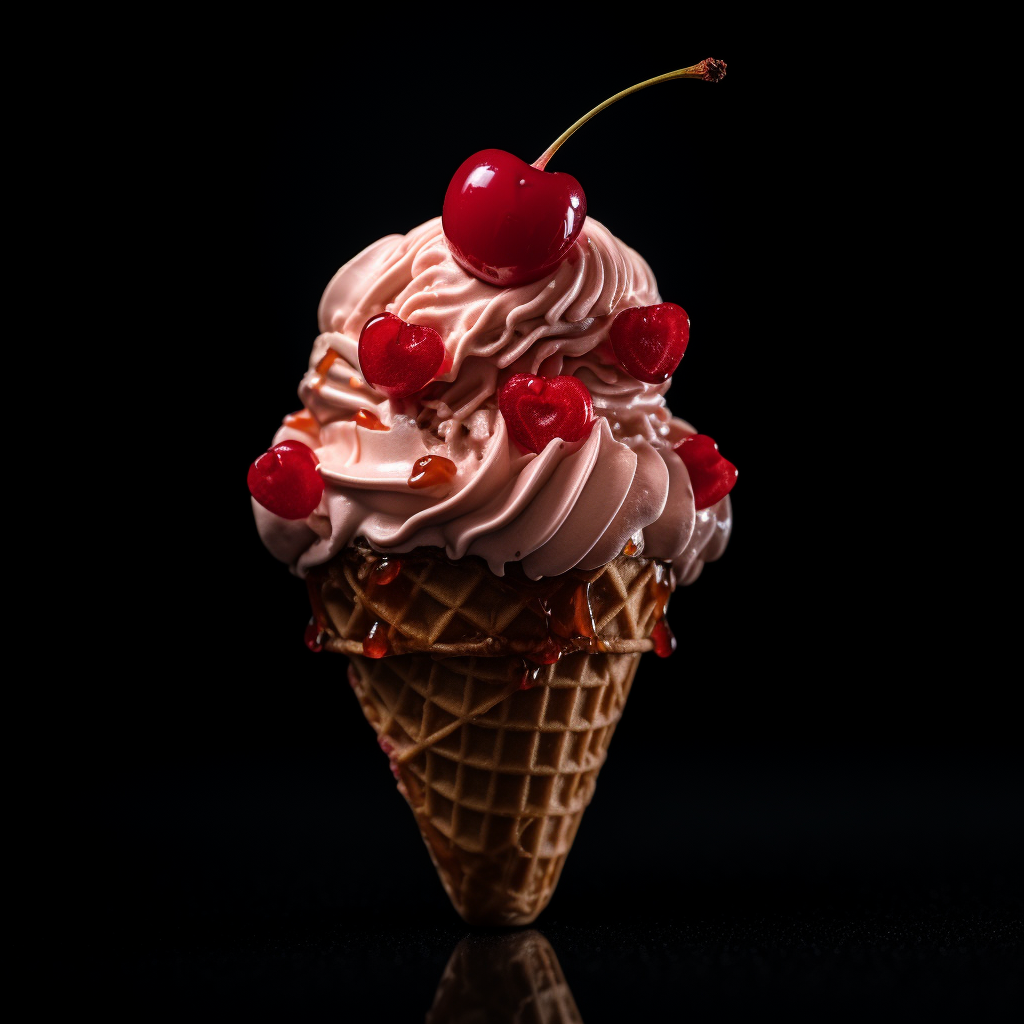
(573, 504)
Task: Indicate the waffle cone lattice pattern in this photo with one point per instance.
(497, 776)
(429, 604)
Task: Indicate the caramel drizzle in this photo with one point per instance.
(432, 470)
(302, 420)
(323, 366)
(368, 420)
(566, 606)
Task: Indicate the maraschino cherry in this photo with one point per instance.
(711, 476)
(285, 480)
(397, 358)
(509, 222)
(650, 341)
(539, 409)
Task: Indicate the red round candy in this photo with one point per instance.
(285, 480)
(539, 409)
(509, 223)
(397, 358)
(711, 476)
(649, 341)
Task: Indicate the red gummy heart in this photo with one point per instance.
(284, 480)
(539, 409)
(711, 476)
(399, 358)
(509, 223)
(650, 341)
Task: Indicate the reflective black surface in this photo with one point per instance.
(505, 978)
(813, 807)
(733, 882)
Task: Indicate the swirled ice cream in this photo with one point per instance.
(574, 504)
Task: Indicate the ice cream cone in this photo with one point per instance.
(491, 501)
(422, 602)
(498, 777)
(497, 757)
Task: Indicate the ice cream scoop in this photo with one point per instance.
(575, 503)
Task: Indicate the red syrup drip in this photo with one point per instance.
(369, 420)
(660, 590)
(432, 470)
(385, 571)
(547, 653)
(375, 643)
(664, 641)
(529, 676)
(316, 602)
(314, 636)
(571, 616)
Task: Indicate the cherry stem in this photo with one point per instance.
(710, 70)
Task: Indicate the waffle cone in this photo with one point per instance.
(426, 603)
(498, 777)
(504, 979)
(497, 759)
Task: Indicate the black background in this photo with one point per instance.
(813, 805)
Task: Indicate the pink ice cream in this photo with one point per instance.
(573, 504)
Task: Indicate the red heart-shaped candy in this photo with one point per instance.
(711, 476)
(539, 409)
(510, 223)
(398, 358)
(650, 341)
(284, 479)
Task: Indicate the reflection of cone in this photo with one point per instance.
(503, 979)
(497, 762)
